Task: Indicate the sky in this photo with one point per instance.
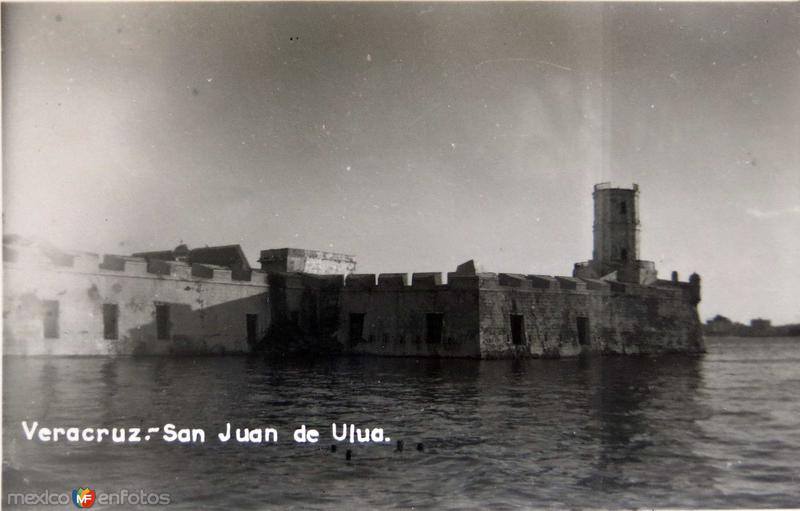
(414, 135)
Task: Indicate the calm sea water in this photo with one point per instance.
(719, 430)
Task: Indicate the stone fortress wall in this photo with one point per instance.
(487, 315)
(312, 302)
(57, 303)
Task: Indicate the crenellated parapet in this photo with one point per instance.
(32, 257)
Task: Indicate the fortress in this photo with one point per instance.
(210, 301)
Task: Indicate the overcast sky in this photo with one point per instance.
(414, 135)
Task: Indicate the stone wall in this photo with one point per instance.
(207, 309)
(481, 315)
(399, 319)
(616, 318)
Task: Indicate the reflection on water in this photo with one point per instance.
(616, 432)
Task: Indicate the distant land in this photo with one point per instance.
(758, 327)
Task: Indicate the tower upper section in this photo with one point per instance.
(616, 224)
(616, 238)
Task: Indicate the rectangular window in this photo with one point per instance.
(252, 328)
(583, 331)
(434, 322)
(50, 319)
(623, 208)
(517, 329)
(356, 326)
(162, 321)
(110, 321)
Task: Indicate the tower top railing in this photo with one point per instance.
(608, 185)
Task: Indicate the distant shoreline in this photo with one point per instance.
(758, 327)
(752, 336)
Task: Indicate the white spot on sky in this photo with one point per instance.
(348, 168)
(369, 57)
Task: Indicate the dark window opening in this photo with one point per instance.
(252, 328)
(356, 326)
(583, 331)
(110, 321)
(294, 316)
(434, 322)
(623, 254)
(623, 208)
(313, 318)
(162, 321)
(517, 329)
(50, 319)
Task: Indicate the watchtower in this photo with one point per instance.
(616, 225)
(616, 238)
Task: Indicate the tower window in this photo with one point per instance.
(623, 254)
(623, 208)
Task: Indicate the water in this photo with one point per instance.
(719, 430)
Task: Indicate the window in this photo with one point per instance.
(623, 254)
(50, 319)
(110, 321)
(252, 328)
(517, 329)
(356, 326)
(434, 322)
(583, 331)
(162, 321)
(623, 208)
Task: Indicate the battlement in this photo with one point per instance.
(394, 282)
(131, 266)
(179, 270)
(608, 185)
(39, 255)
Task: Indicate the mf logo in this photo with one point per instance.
(83, 497)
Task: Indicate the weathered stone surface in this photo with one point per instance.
(311, 303)
(306, 261)
(467, 268)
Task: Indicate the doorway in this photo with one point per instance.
(583, 331)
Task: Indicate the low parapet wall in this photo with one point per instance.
(122, 265)
(211, 310)
(394, 282)
(140, 267)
